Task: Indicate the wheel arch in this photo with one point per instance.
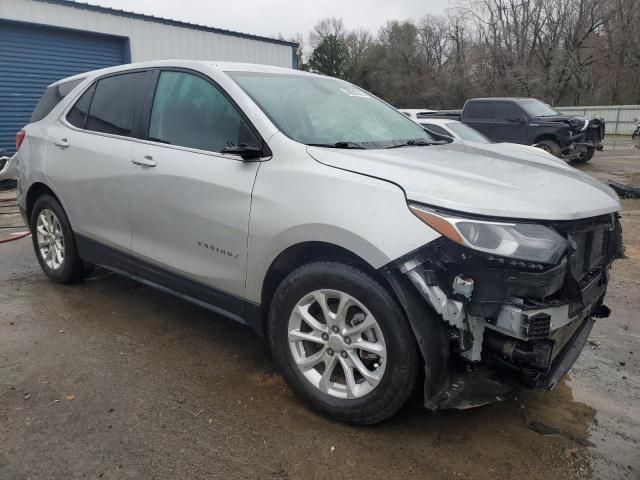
(37, 190)
(546, 136)
(425, 324)
(299, 254)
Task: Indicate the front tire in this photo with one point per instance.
(549, 146)
(588, 155)
(342, 343)
(54, 243)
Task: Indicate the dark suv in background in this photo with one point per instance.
(529, 121)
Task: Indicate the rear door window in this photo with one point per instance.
(190, 111)
(478, 110)
(114, 102)
(52, 97)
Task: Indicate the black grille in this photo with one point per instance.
(538, 326)
(590, 251)
(595, 133)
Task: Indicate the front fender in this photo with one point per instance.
(297, 199)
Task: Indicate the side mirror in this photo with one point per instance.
(245, 150)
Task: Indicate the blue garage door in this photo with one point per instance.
(34, 56)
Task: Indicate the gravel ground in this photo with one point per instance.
(111, 379)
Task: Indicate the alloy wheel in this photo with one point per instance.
(337, 344)
(50, 239)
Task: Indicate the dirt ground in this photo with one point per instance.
(111, 379)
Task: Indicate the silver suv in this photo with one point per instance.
(363, 249)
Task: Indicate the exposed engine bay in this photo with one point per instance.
(512, 322)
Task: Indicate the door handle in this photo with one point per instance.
(61, 142)
(146, 161)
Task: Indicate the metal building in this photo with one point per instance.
(42, 41)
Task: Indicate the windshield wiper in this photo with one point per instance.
(419, 143)
(346, 145)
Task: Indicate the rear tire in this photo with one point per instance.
(357, 398)
(54, 243)
(549, 146)
(588, 155)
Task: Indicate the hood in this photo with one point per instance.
(575, 122)
(555, 118)
(528, 152)
(495, 180)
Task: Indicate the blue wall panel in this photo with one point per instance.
(34, 56)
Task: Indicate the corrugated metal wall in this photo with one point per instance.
(153, 39)
(32, 58)
(42, 41)
(619, 118)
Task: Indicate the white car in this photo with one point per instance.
(8, 169)
(462, 131)
(413, 113)
(359, 246)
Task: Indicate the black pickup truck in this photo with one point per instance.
(529, 121)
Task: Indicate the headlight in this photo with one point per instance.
(524, 241)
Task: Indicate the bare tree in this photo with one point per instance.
(562, 51)
(324, 28)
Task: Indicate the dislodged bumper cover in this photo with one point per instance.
(567, 356)
(511, 322)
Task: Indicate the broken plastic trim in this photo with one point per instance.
(507, 323)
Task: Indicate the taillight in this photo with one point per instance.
(19, 138)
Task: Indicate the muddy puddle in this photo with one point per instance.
(621, 142)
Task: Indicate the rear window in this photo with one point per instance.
(51, 97)
(465, 132)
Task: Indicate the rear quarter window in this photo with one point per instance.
(52, 97)
(77, 116)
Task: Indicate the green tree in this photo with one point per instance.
(330, 57)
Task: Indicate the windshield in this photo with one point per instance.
(536, 108)
(465, 132)
(328, 112)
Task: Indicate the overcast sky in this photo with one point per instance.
(286, 17)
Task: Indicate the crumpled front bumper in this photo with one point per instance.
(591, 135)
(473, 387)
(507, 323)
(568, 355)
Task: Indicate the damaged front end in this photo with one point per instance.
(578, 135)
(517, 318)
(586, 133)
